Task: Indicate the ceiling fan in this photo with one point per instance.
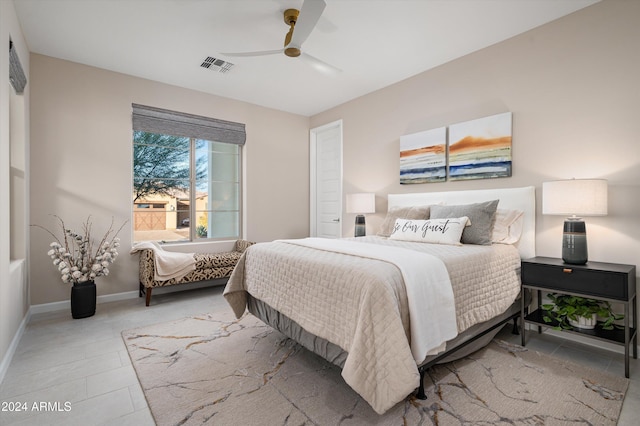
(301, 23)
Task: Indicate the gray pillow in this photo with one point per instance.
(481, 215)
(411, 212)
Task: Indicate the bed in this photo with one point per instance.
(385, 308)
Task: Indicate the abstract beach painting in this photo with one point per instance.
(481, 148)
(423, 156)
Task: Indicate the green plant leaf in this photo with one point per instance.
(565, 307)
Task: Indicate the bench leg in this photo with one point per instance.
(146, 291)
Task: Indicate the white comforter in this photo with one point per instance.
(432, 311)
(360, 304)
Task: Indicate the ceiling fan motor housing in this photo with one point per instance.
(291, 16)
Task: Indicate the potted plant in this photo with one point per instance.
(80, 261)
(574, 311)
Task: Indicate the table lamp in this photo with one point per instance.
(360, 203)
(585, 197)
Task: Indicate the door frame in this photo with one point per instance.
(313, 173)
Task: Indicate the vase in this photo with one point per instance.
(83, 299)
(587, 323)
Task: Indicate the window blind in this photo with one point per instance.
(16, 74)
(162, 121)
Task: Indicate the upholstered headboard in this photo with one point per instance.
(510, 198)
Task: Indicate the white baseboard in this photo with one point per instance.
(66, 304)
(8, 356)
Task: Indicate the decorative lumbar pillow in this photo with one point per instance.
(508, 226)
(438, 231)
(411, 212)
(481, 215)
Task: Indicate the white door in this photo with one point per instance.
(326, 180)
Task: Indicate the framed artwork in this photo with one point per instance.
(481, 148)
(423, 156)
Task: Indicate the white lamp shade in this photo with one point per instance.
(360, 203)
(585, 197)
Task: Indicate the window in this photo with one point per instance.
(186, 176)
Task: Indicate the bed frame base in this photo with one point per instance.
(422, 369)
(337, 356)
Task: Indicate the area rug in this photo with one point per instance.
(216, 370)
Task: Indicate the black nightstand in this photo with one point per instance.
(596, 280)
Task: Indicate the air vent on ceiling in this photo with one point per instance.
(216, 64)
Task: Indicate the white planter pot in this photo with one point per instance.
(584, 322)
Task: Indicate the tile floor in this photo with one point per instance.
(82, 366)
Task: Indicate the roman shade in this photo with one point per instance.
(162, 121)
(16, 74)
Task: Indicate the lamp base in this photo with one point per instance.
(574, 242)
(361, 227)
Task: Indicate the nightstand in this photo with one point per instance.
(596, 280)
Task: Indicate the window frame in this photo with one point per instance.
(194, 128)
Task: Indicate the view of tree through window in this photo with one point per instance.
(185, 189)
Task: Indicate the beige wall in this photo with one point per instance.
(573, 86)
(81, 155)
(14, 163)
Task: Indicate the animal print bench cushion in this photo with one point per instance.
(209, 266)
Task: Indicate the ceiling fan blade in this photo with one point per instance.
(260, 53)
(309, 14)
(320, 64)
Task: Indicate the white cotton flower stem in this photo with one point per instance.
(76, 259)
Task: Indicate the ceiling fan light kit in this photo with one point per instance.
(292, 52)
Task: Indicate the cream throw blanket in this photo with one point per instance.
(169, 264)
(430, 298)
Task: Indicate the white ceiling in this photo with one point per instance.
(374, 42)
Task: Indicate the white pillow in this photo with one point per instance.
(438, 231)
(508, 226)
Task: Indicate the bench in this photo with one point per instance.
(209, 266)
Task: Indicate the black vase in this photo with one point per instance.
(83, 299)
